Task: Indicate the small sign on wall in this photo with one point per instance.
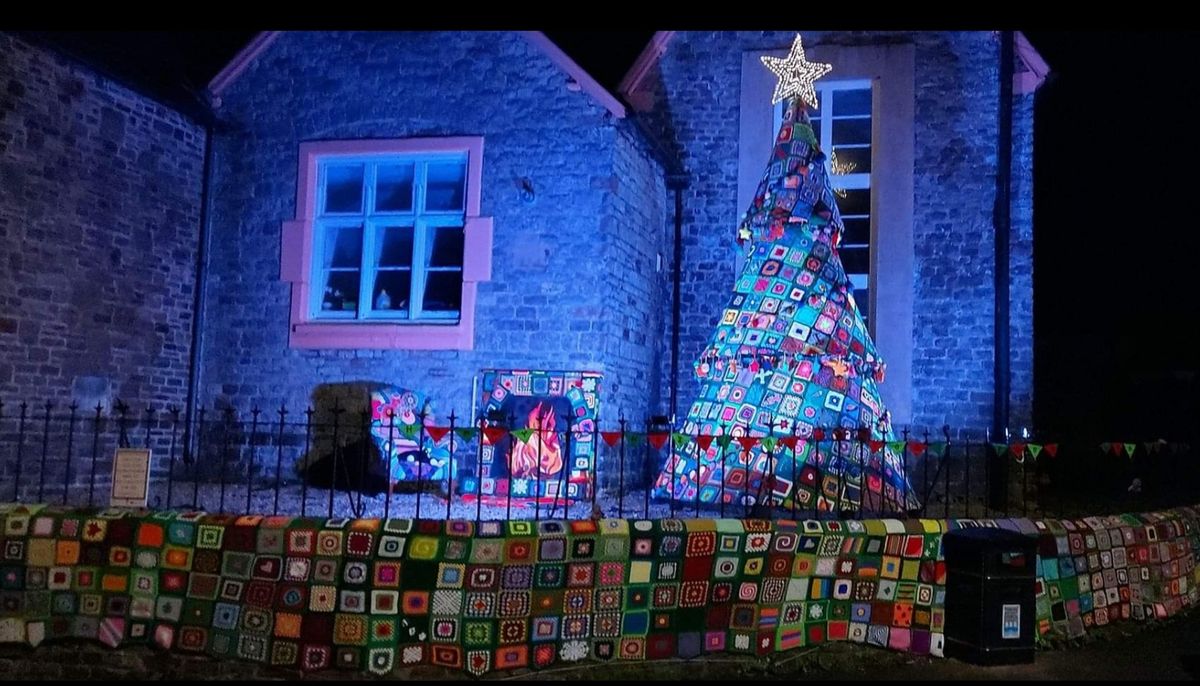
(1010, 622)
(130, 477)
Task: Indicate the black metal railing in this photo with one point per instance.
(327, 461)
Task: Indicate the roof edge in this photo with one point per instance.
(645, 61)
(572, 69)
(225, 78)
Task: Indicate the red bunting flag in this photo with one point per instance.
(437, 433)
(747, 442)
(658, 439)
(1018, 449)
(492, 434)
(790, 441)
(916, 447)
(818, 434)
(611, 437)
(1116, 449)
(704, 440)
(864, 434)
(876, 446)
(1051, 449)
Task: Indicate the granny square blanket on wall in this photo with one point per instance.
(375, 594)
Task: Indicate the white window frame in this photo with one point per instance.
(852, 181)
(422, 222)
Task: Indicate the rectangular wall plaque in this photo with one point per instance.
(130, 477)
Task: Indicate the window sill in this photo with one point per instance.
(336, 335)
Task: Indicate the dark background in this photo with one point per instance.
(1115, 252)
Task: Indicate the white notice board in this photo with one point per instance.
(130, 477)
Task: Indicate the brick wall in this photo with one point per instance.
(696, 90)
(99, 208)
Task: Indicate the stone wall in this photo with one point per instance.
(695, 89)
(573, 268)
(99, 212)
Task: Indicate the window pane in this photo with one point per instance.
(858, 231)
(847, 102)
(444, 183)
(446, 247)
(396, 246)
(851, 131)
(341, 291)
(443, 291)
(343, 188)
(343, 247)
(392, 291)
(863, 300)
(852, 160)
(855, 260)
(394, 188)
(816, 126)
(857, 201)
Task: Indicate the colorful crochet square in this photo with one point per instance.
(532, 594)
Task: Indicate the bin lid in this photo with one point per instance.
(986, 538)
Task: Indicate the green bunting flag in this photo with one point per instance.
(634, 439)
(680, 440)
(467, 434)
(724, 441)
(768, 443)
(1034, 449)
(936, 449)
(1104, 447)
(1129, 448)
(522, 434)
(409, 430)
(1000, 448)
(896, 446)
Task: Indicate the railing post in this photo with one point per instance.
(308, 415)
(282, 412)
(171, 453)
(95, 452)
(228, 421)
(333, 472)
(512, 421)
(74, 407)
(254, 412)
(45, 449)
(361, 510)
(451, 467)
(479, 469)
(20, 453)
(621, 471)
(387, 462)
(421, 449)
(198, 432)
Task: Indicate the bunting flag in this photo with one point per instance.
(724, 441)
(1034, 450)
(493, 434)
(1116, 449)
(1129, 448)
(790, 442)
(1051, 449)
(876, 446)
(1018, 450)
(468, 433)
(818, 434)
(747, 442)
(634, 439)
(1000, 448)
(611, 437)
(916, 448)
(522, 435)
(1104, 447)
(936, 449)
(769, 442)
(409, 430)
(680, 440)
(896, 446)
(657, 439)
(704, 440)
(437, 433)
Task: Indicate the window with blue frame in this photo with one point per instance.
(388, 238)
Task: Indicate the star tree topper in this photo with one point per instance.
(796, 74)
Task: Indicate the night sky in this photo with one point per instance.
(1116, 242)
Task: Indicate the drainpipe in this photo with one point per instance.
(1002, 222)
(677, 183)
(198, 291)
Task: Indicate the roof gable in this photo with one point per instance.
(578, 78)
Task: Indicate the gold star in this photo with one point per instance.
(796, 75)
